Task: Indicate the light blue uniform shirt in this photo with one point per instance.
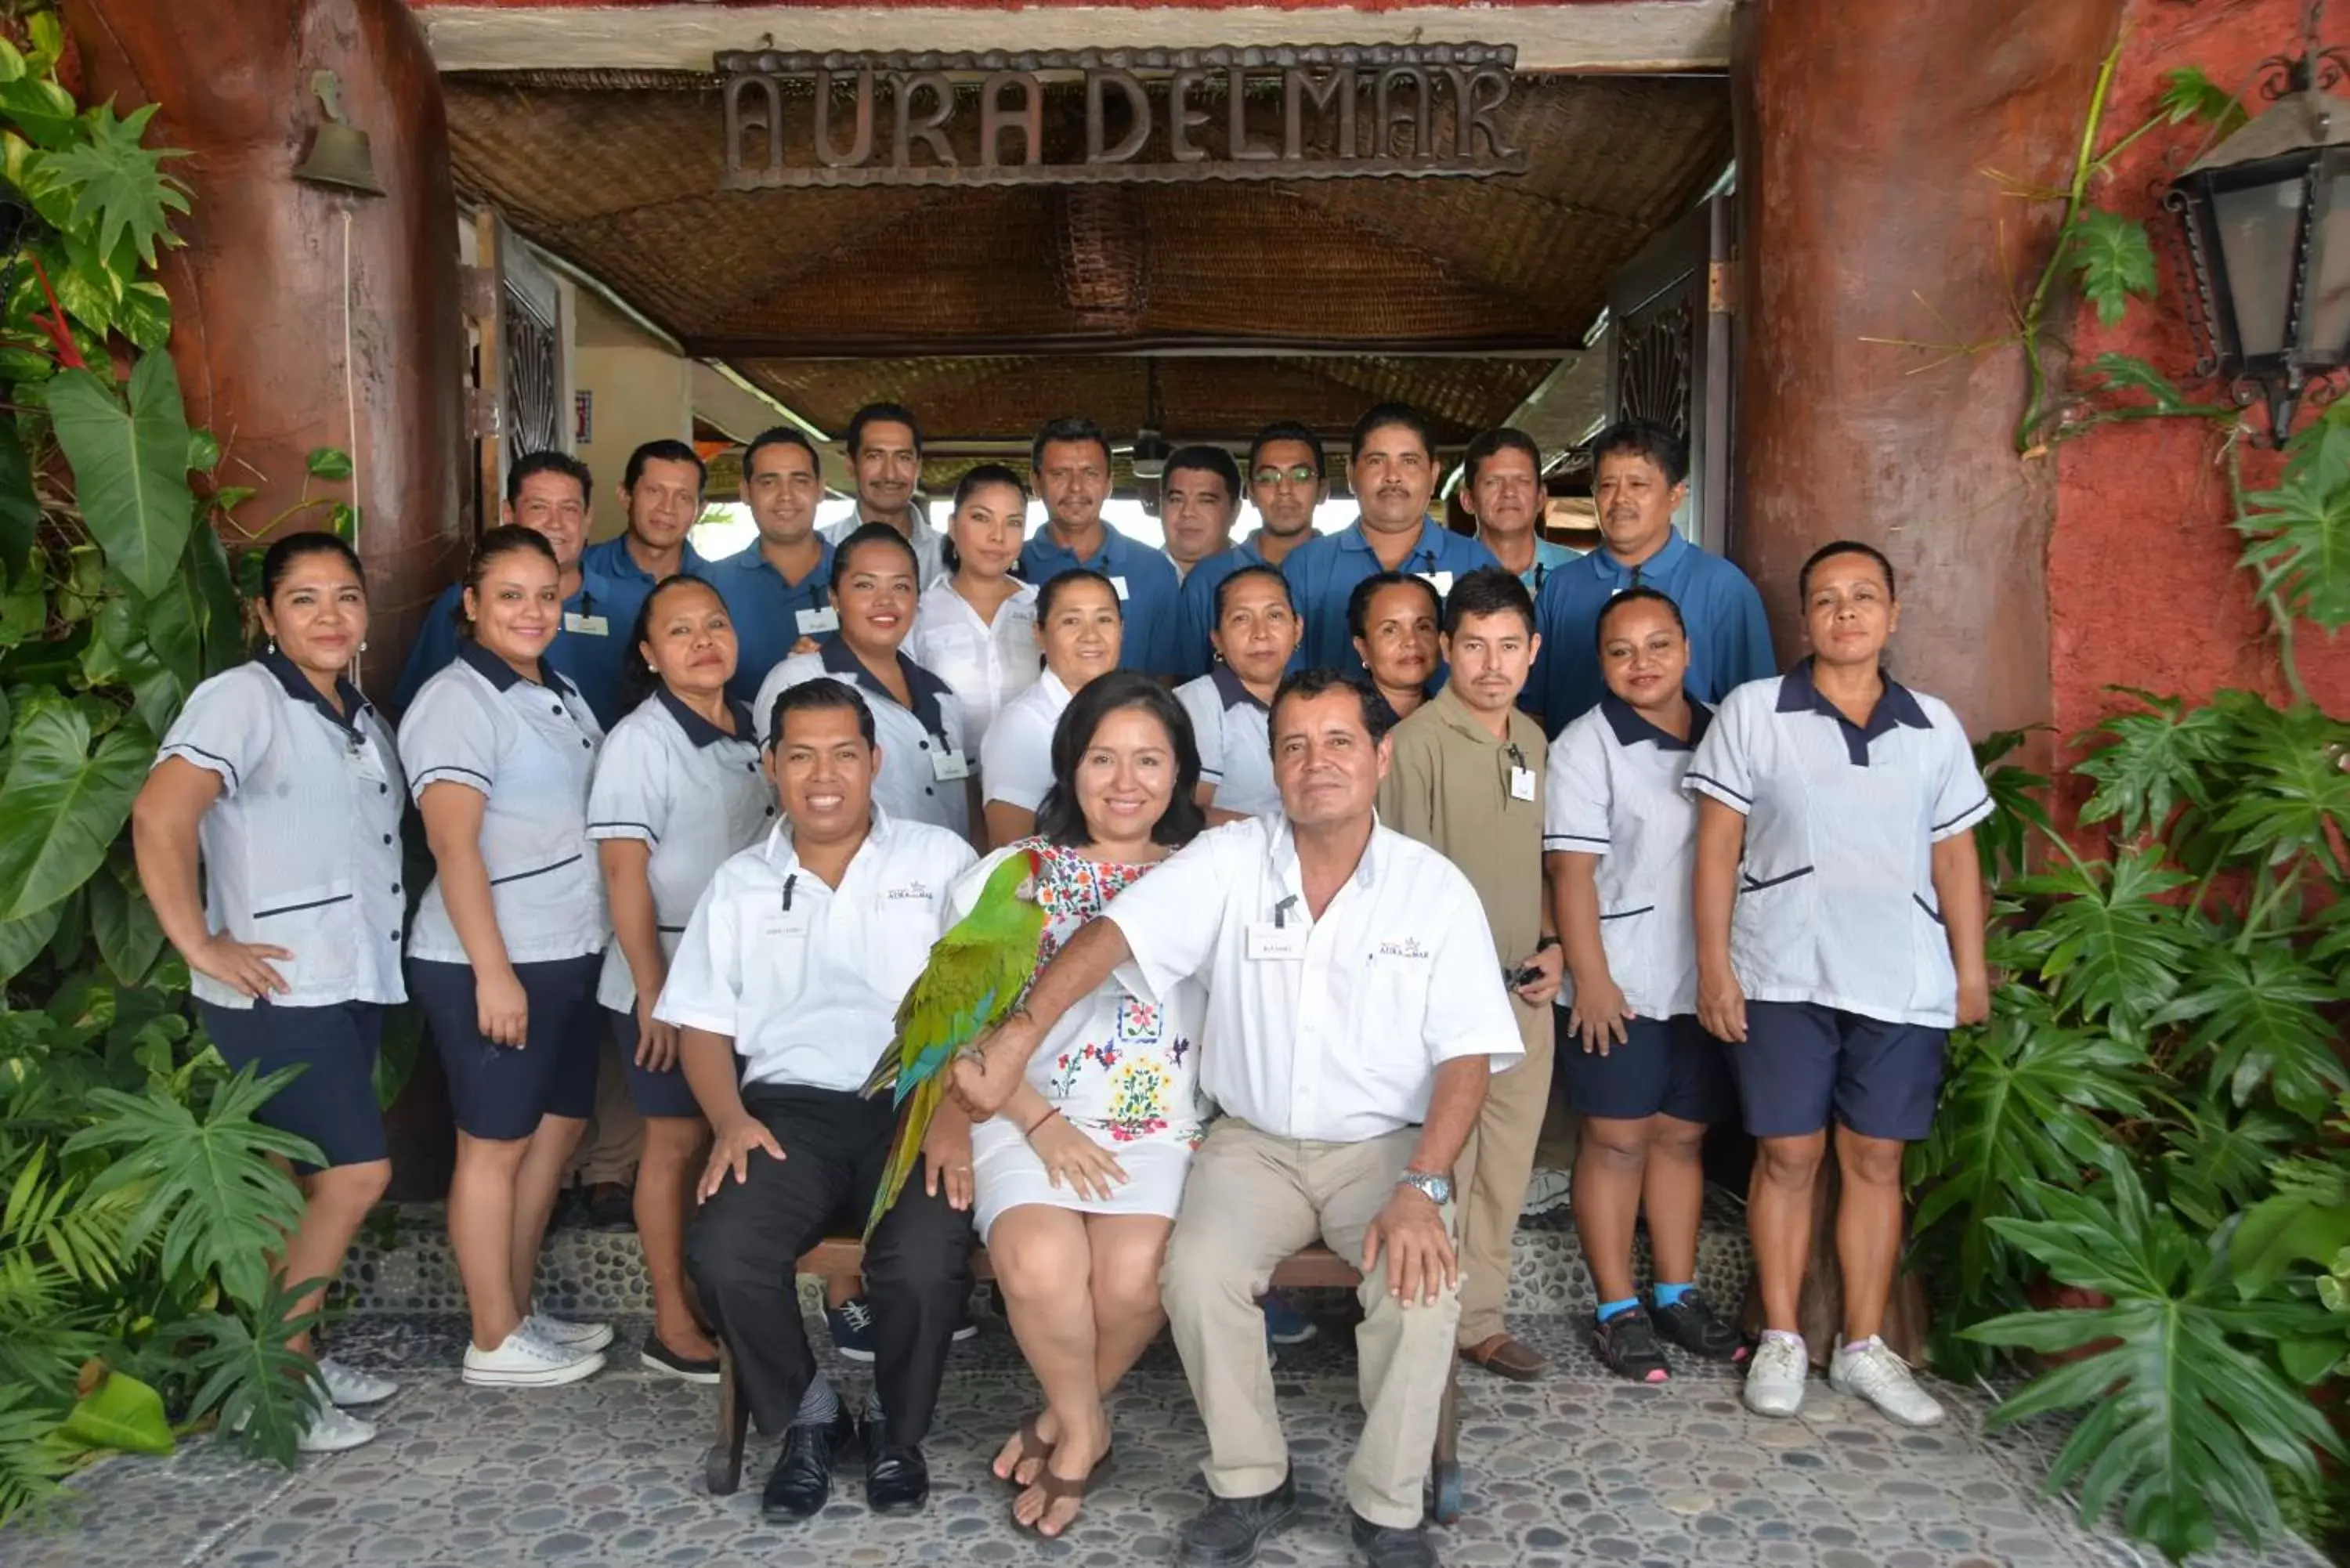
(1323, 573)
(1548, 558)
(611, 560)
(765, 611)
(1149, 592)
(1730, 640)
(588, 649)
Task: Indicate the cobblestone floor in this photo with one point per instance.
(1580, 1468)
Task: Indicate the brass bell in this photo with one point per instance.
(339, 156)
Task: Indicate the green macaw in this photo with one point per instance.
(976, 974)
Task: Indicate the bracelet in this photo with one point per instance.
(1030, 1130)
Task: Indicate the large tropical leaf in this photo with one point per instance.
(2297, 544)
(2256, 1017)
(263, 1389)
(21, 940)
(121, 183)
(2000, 840)
(2113, 258)
(117, 1411)
(129, 465)
(2184, 1408)
(62, 800)
(2290, 796)
(2148, 765)
(2214, 1163)
(2105, 941)
(130, 939)
(218, 1203)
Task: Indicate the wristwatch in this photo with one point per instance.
(1438, 1188)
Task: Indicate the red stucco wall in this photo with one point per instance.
(2143, 587)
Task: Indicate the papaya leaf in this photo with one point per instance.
(2188, 94)
(2148, 765)
(2107, 942)
(131, 466)
(121, 182)
(2113, 258)
(61, 802)
(117, 1411)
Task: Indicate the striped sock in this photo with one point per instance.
(819, 1406)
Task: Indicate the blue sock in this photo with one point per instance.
(1668, 1294)
(1616, 1308)
(819, 1406)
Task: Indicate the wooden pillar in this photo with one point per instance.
(1867, 140)
(257, 292)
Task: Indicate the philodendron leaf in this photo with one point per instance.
(63, 801)
(131, 466)
(2114, 259)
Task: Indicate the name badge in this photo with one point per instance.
(950, 765)
(585, 625)
(1119, 584)
(1521, 783)
(1270, 943)
(783, 925)
(817, 621)
(1440, 581)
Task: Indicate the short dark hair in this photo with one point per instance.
(780, 435)
(1060, 583)
(1069, 427)
(1641, 595)
(1205, 459)
(637, 682)
(871, 534)
(505, 539)
(1358, 603)
(882, 414)
(1642, 438)
(1381, 415)
(283, 552)
(1320, 681)
(1059, 818)
(664, 451)
(1488, 590)
(1253, 569)
(1288, 430)
(561, 462)
(812, 696)
(1491, 442)
(1843, 547)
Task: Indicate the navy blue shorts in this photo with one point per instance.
(1802, 1061)
(655, 1094)
(332, 1101)
(497, 1091)
(1669, 1067)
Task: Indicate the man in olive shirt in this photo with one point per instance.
(1466, 781)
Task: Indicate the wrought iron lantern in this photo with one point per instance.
(2266, 215)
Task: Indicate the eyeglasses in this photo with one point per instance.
(1300, 474)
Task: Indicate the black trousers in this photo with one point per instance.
(743, 1246)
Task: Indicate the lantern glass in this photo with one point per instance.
(2327, 340)
(2260, 235)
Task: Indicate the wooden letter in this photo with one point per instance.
(931, 127)
(1181, 117)
(1387, 114)
(1236, 121)
(862, 147)
(993, 121)
(1300, 87)
(1138, 104)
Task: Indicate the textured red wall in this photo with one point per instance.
(2143, 586)
(996, 4)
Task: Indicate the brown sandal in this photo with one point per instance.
(1030, 1447)
(1058, 1488)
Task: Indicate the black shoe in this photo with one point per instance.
(611, 1207)
(1385, 1546)
(658, 1356)
(802, 1482)
(897, 1478)
(1693, 1323)
(1227, 1532)
(1628, 1343)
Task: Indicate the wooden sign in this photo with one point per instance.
(1308, 112)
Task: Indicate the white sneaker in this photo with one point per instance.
(526, 1361)
(348, 1385)
(332, 1429)
(1869, 1371)
(1774, 1378)
(556, 1331)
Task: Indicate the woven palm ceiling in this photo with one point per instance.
(991, 309)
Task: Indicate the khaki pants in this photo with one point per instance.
(1491, 1173)
(1250, 1201)
(615, 1132)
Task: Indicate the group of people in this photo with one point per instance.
(1331, 846)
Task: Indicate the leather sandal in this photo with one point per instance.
(1058, 1488)
(1030, 1446)
(1505, 1357)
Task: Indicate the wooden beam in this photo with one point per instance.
(1644, 35)
(1165, 346)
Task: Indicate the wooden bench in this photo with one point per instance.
(1315, 1268)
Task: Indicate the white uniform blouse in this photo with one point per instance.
(924, 755)
(1329, 1029)
(1231, 728)
(1016, 765)
(1615, 790)
(987, 663)
(1835, 894)
(670, 778)
(806, 979)
(529, 748)
(301, 850)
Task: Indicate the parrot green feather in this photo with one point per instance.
(976, 974)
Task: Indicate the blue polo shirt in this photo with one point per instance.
(1151, 592)
(1323, 573)
(1548, 558)
(611, 560)
(765, 609)
(1196, 615)
(589, 648)
(1730, 640)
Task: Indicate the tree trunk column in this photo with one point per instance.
(1867, 136)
